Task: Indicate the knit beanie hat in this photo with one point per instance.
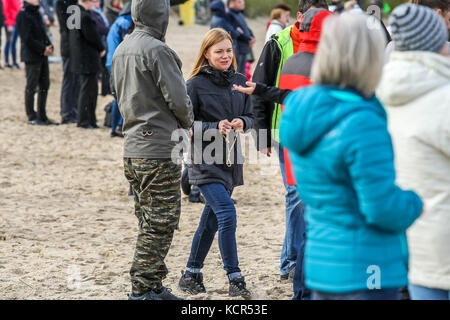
(415, 27)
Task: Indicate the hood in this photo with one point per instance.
(410, 74)
(126, 11)
(322, 109)
(151, 16)
(218, 9)
(311, 29)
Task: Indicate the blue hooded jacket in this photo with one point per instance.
(356, 216)
(117, 33)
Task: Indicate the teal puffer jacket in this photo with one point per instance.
(356, 215)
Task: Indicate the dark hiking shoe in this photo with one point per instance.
(192, 283)
(164, 294)
(238, 288)
(290, 275)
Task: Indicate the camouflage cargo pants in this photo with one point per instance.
(156, 186)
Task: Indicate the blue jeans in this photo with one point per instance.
(10, 45)
(295, 225)
(116, 117)
(219, 214)
(382, 294)
(423, 293)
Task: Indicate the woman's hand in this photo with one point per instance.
(225, 126)
(248, 90)
(237, 124)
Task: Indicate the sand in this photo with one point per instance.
(67, 227)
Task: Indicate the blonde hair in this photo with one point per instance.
(350, 53)
(276, 14)
(212, 37)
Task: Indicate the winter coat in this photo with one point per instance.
(415, 87)
(2, 16)
(85, 46)
(33, 37)
(11, 9)
(149, 84)
(117, 33)
(243, 46)
(221, 19)
(274, 27)
(61, 13)
(214, 99)
(356, 215)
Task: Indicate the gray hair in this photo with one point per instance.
(350, 53)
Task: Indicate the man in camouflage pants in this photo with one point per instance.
(152, 98)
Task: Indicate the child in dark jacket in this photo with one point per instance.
(35, 49)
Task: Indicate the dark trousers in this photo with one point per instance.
(241, 60)
(87, 100)
(219, 215)
(38, 80)
(69, 92)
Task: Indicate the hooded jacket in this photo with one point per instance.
(214, 99)
(149, 84)
(415, 87)
(356, 215)
(32, 32)
(117, 32)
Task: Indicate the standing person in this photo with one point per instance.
(222, 110)
(153, 100)
(120, 28)
(279, 19)
(11, 8)
(102, 26)
(246, 40)
(221, 18)
(441, 7)
(267, 116)
(294, 75)
(70, 87)
(35, 49)
(355, 213)
(112, 9)
(415, 87)
(86, 49)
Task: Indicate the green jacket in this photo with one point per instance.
(149, 85)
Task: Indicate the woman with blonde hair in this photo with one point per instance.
(220, 112)
(279, 19)
(341, 151)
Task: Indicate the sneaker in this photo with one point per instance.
(192, 283)
(15, 65)
(116, 134)
(163, 294)
(290, 275)
(238, 288)
(33, 122)
(47, 122)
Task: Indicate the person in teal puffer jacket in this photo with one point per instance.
(342, 155)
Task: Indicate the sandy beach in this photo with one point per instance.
(67, 227)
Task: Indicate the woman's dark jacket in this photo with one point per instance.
(32, 32)
(214, 99)
(85, 46)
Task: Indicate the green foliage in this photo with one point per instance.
(263, 7)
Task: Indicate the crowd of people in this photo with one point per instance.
(319, 90)
(357, 113)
